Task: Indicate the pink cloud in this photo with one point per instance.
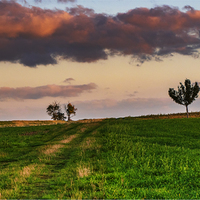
(127, 107)
(106, 108)
(44, 91)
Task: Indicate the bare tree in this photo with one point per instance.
(185, 94)
(70, 109)
(54, 111)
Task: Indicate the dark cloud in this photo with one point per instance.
(38, 1)
(188, 8)
(68, 80)
(44, 91)
(133, 94)
(33, 36)
(80, 10)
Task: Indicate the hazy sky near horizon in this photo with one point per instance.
(110, 58)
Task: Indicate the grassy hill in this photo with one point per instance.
(126, 158)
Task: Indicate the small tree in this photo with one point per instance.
(54, 110)
(185, 94)
(70, 109)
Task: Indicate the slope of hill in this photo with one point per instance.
(19, 123)
(16, 123)
(125, 158)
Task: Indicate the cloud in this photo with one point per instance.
(79, 10)
(133, 94)
(38, 1)
(33, 36)
(130, 107)
(59, 1)
(35, 110)
(126, 107)
(44, 91)
(65, 1)
(133, 103)
(68, 80)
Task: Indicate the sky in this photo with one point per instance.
(109, 58)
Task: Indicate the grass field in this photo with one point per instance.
(127, 158)
(29, 123)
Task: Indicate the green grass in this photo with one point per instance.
(113, 159)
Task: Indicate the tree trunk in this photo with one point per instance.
(69, 118)
(187, 110)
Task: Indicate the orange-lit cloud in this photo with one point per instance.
(44, 91)
(34, 36)
(18, 21)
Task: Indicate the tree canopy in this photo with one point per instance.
(54, 111)
(70, 110)
(185, 94)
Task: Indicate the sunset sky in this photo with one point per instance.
(110, 58)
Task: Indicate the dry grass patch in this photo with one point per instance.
(69, 139)
(26, 171)
(83, 171)
(91, 120)
(49, 149)
(83, 129)
(90, 143)
(20, 123)
(2, 154)
(87, 126)
(52, 149)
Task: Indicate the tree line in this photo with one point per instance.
(185, 95)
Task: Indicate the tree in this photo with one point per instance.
(70, 109)
(185, 94)
(54, 110)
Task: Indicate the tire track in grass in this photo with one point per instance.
(72, 154)
(56, 147)
(60, 133)
(19, 179)
(88, 142)
(21, 176)
(50, 151)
